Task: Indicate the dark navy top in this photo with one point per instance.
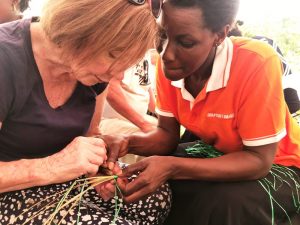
(30, 127)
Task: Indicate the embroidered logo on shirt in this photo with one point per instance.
(220, 116)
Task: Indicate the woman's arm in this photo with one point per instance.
(22, 174)
(251, 164)
(118, 101)
(160, 141)
(82, 156)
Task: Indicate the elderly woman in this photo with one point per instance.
(53, 75)
(228, 92)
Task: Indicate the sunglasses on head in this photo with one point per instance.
(155, 5)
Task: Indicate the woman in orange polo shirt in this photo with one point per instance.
(228, 92)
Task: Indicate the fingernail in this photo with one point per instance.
(110, 165)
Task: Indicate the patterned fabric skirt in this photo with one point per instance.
(93, 209)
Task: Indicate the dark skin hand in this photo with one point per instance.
(251, 164)
(117, 146)
(153, 173)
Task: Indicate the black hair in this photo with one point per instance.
(216, 13)
(23, 5)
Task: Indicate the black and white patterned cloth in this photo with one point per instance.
(93, 210)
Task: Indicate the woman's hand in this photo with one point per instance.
(154, 172)
(107, 189)
(117, 146)
(82, 156)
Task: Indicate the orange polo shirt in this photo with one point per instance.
(242, 103)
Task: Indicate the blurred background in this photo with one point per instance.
(276, 19)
